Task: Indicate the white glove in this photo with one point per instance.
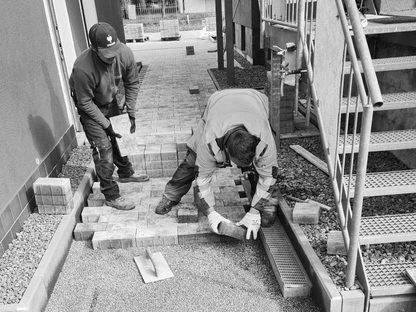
(214, 219)
(252, 222)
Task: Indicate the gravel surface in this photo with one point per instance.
(20, 261)
(207, 277)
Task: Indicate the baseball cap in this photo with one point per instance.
(104, 38)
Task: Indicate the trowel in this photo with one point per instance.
(153, 266)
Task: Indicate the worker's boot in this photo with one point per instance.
(134, 178)
(165, 206)
(120, 203)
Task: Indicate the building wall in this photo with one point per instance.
(35, 131)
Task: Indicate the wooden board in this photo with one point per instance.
(310, 157)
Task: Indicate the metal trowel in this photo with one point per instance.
(153, 266)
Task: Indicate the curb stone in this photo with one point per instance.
(43, 281)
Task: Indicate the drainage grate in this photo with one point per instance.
(288, 269)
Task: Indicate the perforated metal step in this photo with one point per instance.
(386, 183)
(388, 64)
(390, 279)
(402, 100)
(388, 229)
(381, 141)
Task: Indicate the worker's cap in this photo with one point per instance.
(104, 39)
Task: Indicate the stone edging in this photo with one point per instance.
(326, 295)
(43, 281)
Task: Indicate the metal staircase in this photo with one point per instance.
(348, 133)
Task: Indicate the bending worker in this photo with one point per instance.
(94, 80)
(234, 128)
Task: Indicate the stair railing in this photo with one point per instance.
(369, 96)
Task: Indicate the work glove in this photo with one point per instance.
(133, 124)
(214, 220)
(252, 222)
(111, 133)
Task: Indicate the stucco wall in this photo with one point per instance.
(33, 116)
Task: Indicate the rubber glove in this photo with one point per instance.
(110, 132)
(214, 220)
(252, 222)
(133, 124)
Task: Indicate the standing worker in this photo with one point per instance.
(234, 128)
(94, 80)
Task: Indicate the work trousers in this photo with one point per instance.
(182, 179)
(106, 153)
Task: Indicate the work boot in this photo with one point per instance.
(120, 203)
(134, 178)
(165, 206)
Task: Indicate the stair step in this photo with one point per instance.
(388, 64)
(388, 229)
(402, 100)
(382, 141)
(389, 24)
(390, 279)
(386, 183)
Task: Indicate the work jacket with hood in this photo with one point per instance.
(95, 83)
(226, 111)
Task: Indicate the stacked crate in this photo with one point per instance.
(210, 24)
(134, 32)
(169, 29)
(53, 195)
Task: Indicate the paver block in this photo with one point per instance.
(92, 214)
(335, 244)
(123, 216)
(96, 189)
(152, 152)
(190, 50)
(114, 239)
(168, 151)
(160, 236)
(187, 213)
(85, 231)
(52, 186)
(196, 233)
(157, 173)
(306, 213)
(153, 165)
(194, 90)
(95, 200)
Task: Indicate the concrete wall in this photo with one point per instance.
(35, 131)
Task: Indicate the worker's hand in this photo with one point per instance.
(214, 220)
(133, 124)
(111, 133)
(252, 222)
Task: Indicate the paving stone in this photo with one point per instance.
(187, 213)
(194, 90)
(123, 216)
(95, 200)
(124, 238)
(92, 214)
(85, 231)
(165, 236)
(306, 213)
(196, 233)
(335, 244)
(96, 188)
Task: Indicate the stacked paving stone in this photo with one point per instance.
(53, 195)
(109, 228)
